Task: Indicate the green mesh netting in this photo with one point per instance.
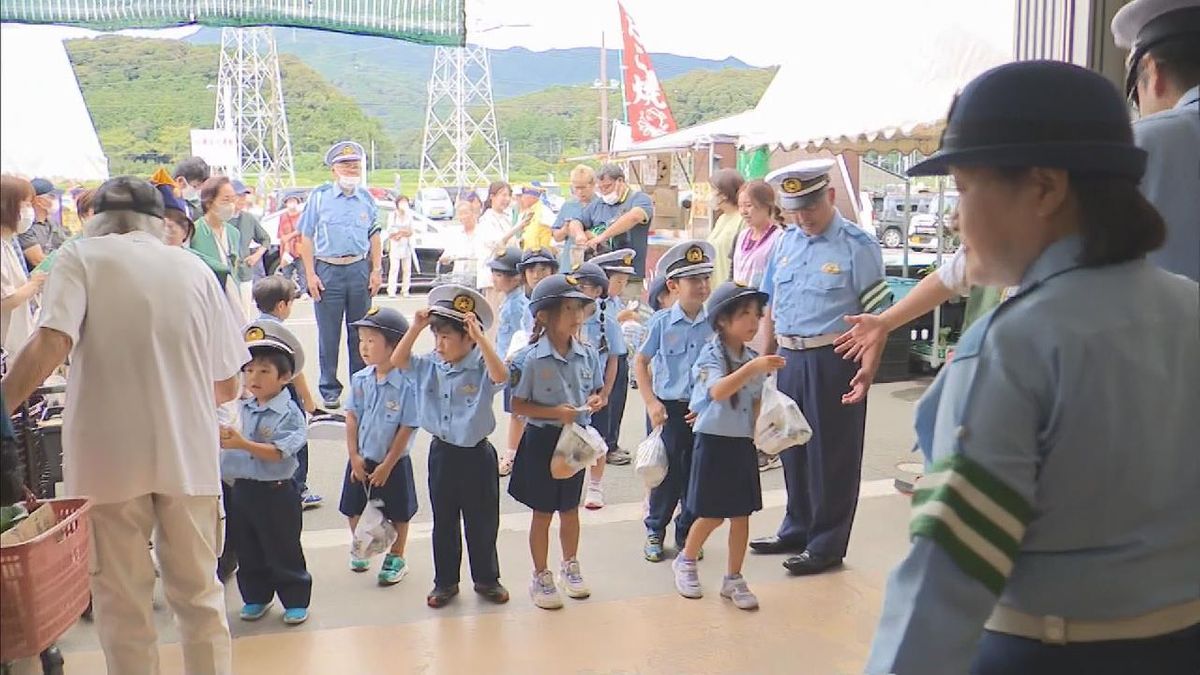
(439, 22)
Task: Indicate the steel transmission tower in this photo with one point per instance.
(462, 145)
(250, 104)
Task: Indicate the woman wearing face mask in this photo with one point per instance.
(400, 252)
(728, 222)
(214, 241)
(16, 287)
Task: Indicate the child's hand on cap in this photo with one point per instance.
(421, 318)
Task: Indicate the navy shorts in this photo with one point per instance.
(724, 482)
(531, 482)
(399, 493)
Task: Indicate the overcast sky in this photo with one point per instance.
(759, 32)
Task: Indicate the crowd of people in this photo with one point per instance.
(1040, 544)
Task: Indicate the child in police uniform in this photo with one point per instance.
(381, 420)
(600, 330)
(534, 266)
(274, 295)
(560, 382)
(618, 266)
(457, 384)
(264, 513)
(724, 482)
(663, 370)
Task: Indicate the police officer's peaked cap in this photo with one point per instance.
(687, 259)
(455, 302)
(555, 287)
(620, 261)
(591, 273)
(508, 262)
(128, 193)
(272, 334)
(344, 151)
(1038, 113)
(1144, 24)
(800, 184)
(658, 286)
(384, 319)
(728, 293)
(538, 256)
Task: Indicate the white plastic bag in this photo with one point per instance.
(650, 462)
(780, 423)
(516, 343)
(578, 448)
(374, 533)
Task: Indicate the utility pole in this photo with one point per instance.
(604, 85)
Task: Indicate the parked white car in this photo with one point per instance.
(434, 203)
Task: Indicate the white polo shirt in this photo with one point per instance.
(151, 333)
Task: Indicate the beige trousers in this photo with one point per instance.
(188, 536)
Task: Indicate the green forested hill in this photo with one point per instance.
(145, 95)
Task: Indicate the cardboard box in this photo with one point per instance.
(666, 202)
(41, 520)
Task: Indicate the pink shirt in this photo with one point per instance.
(750, 255)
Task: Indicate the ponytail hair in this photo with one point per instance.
(762, 195)
(603, 346)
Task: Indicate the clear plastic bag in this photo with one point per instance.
(780, 423)
(650, 463)
(578, 448)
(374, 533)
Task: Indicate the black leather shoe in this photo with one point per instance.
(773, 544)
(810, 563)
(441, 596)
(494, 593)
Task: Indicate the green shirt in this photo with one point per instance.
(204, 244)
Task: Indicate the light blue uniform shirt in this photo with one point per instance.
(382, 408)
(722, 418)
(512, 313)
(552, 379)
(572, 209)
(339, 224)
(279, 423)
(1172, 181)
(815, 281)
(527, 316)
(673, 342)
(456, 398)
(264, 316)
(593, 330)
(1062, 473)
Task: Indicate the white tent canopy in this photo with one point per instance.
(726, 129)
(45, 129)
(894, 95)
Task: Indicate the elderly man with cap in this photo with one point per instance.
(1057, 527)
(140, 436)
(1163, 37)
(821, 270)
(342, 257)
(45, 235)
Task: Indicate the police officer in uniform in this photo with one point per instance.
(342, 256)
(1163, 37)
(1057, 526)
(822, 269)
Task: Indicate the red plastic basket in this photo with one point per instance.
(45, 582)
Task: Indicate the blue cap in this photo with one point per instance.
(452, 301)
(385, 319)
(41, 186)
(531, 192)
(1038, 113)
(541, 255)
(272, 334)
(728, 293)
(658, 286)
(344, 151)
(508, 262)
(800, 184)
(620, 261)
(556, 287)
(686, 259)
(239, 188)
(170, 201)
(591, 273)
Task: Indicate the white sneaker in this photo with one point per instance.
(543, 592)
(687, 580)
(734, 588)
(572, 580)
(595, 497)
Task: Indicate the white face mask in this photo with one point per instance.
(191, 194)
(611, 198)
(26, 220)
(224, 211)
(349, 182)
